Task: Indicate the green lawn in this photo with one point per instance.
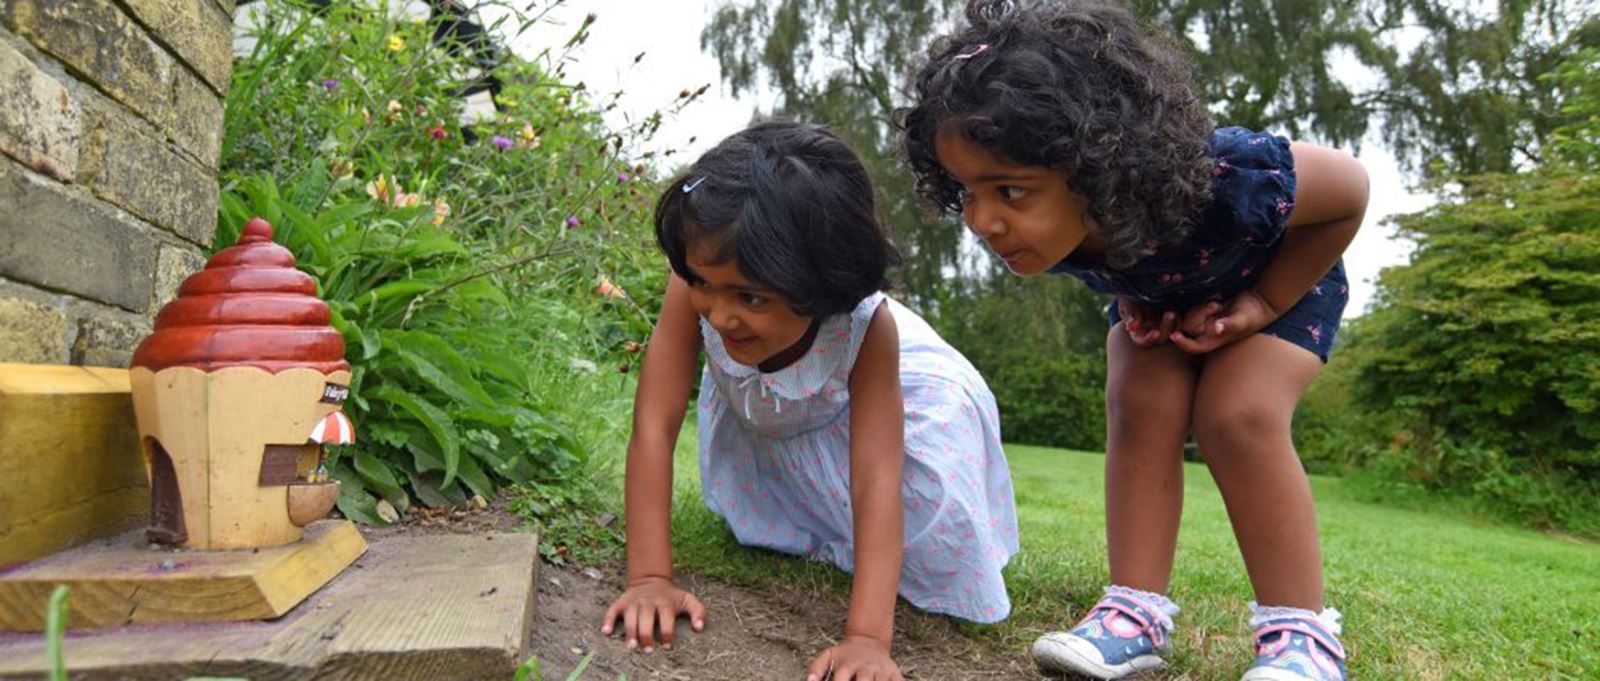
(1426, 595)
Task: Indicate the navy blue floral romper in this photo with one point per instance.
(1232, 242)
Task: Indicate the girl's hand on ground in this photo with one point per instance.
(649, 610)
(1144, 325)
(856, 658)
(1221, 325)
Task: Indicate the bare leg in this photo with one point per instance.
(1243, 408)
(1149, 395)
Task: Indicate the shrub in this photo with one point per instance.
(477, 271)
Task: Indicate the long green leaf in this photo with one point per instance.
(354, 501)
(434, 419)
(529, 669)
(578, 672)
(474, 476)
(440, 353)
(461, 388)
(380, 478)
(55, 627)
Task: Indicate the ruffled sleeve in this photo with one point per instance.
(1253, 190)
(824, 371)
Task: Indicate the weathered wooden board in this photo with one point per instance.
(414, 607)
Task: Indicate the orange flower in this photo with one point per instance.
(379, 189)
(609, 289)
(387, 191)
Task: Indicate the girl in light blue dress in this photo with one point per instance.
(834, 423)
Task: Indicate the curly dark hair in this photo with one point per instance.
(1078, 86)
(792, 205)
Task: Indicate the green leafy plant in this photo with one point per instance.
(473, 267)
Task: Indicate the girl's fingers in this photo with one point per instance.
(1203, 344)
(647, 627)
(669, 624)
(1192, 346)
(1194, 321)
(819, 666)
(611, 617)
(696, 610)
(630, 625)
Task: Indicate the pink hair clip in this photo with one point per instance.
(975, 51)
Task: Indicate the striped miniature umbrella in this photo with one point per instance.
(334, 429)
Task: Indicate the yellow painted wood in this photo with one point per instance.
(439, 607)
(70, 470)
(215, 426)
(127, 582)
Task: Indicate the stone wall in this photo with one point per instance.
(110, 132)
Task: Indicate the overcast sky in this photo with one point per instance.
(668, 32)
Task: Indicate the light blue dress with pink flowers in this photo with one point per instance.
(775, 461)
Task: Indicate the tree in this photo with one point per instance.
(1478, 370)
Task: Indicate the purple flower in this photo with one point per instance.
(501, 142)
(622, 178)
(573, 221)
(330, 84)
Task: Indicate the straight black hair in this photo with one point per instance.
(792, 205)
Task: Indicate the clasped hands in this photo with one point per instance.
(1201, 329)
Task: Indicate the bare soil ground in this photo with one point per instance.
(750, 635)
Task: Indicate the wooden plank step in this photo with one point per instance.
(70, 468)
(124, 581)
(414, 607)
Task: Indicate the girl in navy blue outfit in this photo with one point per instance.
(1070, 139)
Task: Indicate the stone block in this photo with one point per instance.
(150, 179)
(108, 339)
(102, 45)
(196, 30)
(195, 118)
(31, 332)
(56, 239)
(173, 266)
(38, 117)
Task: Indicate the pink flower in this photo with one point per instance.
(437, 132)
(573, 221)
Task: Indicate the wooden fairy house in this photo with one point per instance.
(236, 392)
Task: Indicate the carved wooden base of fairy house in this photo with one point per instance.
(124, 581)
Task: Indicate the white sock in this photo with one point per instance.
(1165, 609)
(1329, 619)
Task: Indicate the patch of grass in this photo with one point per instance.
(576, 517)
(1426, 594)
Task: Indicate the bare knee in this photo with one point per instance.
(1233, 423)
(1131, 410)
